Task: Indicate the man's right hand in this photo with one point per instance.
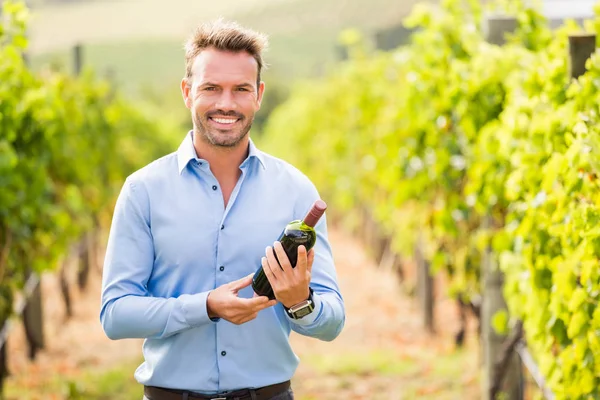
(223, 302)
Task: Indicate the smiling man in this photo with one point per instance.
(189, 230)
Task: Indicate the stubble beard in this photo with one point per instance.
(218, 137)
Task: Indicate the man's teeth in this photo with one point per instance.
(225, 120)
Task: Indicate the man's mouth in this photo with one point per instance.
(224, 120)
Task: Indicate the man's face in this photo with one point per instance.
(222, 96)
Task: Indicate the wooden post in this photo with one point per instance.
(111, 77)
(77, 59)
(534, 370)
(3, 366)
(398, 267)
(424, 286)
(581, 47)
(393, 37)
(83, 271)
(497, 26)
(4, 372)
(64, 288)
(6, 298)
(33, 318)
(383, 243)
(379, 241)
(492, 342)
(341, 52)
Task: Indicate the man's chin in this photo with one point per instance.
(225, 139)
(222, 138)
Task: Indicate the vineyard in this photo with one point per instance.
(476, 152)
(471, 159)
(66, 145)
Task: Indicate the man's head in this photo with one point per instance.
(222, 85)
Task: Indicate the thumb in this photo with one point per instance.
(241, 283)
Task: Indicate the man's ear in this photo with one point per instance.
(186, 88)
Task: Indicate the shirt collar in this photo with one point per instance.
(254, 152)
(186, 152)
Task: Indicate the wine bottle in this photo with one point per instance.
(295, 233)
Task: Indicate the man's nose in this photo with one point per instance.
(226, 101)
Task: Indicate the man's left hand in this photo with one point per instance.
(290, 285)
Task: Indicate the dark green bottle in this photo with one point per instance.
(296, 233)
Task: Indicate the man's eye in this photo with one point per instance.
(210, 88)
(242, 89)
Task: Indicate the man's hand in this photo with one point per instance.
(290, 285)
(223, 302)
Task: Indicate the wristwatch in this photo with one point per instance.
(303, 308)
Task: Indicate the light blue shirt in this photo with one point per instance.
(172, 241)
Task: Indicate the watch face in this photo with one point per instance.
(303, 312)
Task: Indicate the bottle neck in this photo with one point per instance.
(315, 213)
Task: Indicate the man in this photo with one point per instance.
(191, 228)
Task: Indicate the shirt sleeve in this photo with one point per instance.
(127, 309)
(327, 320)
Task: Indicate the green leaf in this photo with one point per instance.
(577, 324)
(577, 299)
(502, 241)
(500, 322)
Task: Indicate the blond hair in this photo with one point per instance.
(226, 36)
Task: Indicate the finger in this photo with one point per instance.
(268, 272)
(268, 304)
(284, 261)
(273, 264)
(255, 304)
(248, 304)
(311, 259)
(241, 283)
(301, 261)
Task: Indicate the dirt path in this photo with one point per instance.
(71, 344)
(382, 353)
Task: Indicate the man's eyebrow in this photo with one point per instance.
(248, 85)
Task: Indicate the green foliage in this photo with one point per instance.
(472, 145)
(66, 145)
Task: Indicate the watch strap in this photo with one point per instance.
(305, 310)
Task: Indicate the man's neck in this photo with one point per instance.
(224, 161)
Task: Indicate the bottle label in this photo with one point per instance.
(299, 240)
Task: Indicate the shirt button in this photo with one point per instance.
(214, 187)
(223, 353)
(222, 227)
(222, 268)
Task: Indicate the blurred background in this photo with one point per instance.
(454, 140)
(139, 44)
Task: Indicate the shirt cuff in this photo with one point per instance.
(195, 309)
(312, 317)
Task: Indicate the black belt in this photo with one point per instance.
(263, 393)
